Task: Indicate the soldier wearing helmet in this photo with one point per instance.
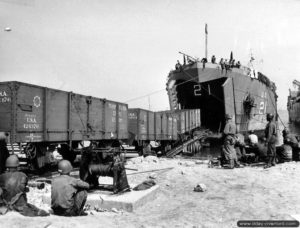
(14, 187)
(270, 135)
(68, 195)
(228, 149)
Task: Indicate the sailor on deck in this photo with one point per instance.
(178, 66)
(213, 59)
(222, 64)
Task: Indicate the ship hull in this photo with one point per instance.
(218, 92)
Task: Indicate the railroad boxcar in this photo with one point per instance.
(141, 124)
(172, 126)
(43, 117)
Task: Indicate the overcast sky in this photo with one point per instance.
(122, 50)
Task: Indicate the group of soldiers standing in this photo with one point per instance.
(229, 152)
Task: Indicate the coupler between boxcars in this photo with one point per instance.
(96, 162)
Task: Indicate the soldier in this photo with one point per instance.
(178, 66)
(270, 134)
(253, 139)
(213, 59)
(222, 64)
(229, 152)
(147, 150)
(291, 140)
(3, 152)
(203, 61)
(68, 195)
(14, 188)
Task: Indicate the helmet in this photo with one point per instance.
(270, 116)
(12, 161)
(286, 130)
(64, 167)
(227, 116)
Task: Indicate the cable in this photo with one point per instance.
(157, 91)
(276, 110)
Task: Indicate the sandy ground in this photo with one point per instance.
(232, 195)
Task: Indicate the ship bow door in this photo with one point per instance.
(229, 101)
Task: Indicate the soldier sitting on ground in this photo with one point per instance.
(13, 188)
(289, 138)
(147, 150)
(68, 195)
(253, 139)
(290, 149)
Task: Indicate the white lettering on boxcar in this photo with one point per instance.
(30, 122)
(132, 115)
(4, 98)
(31, 126)
(31, 137)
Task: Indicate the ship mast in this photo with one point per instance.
(206, 41)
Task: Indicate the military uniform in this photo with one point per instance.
(3, 154)
(270, 133)
(68, 195)
(228, 149)
(14, 187)
(291, 140)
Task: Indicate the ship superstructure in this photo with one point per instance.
(216, 89)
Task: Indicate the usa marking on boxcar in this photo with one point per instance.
(31, 122)
(4, 98)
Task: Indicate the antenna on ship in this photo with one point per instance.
(206, 41)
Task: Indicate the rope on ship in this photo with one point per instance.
(276, 110)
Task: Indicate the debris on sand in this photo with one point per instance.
(200, 188)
